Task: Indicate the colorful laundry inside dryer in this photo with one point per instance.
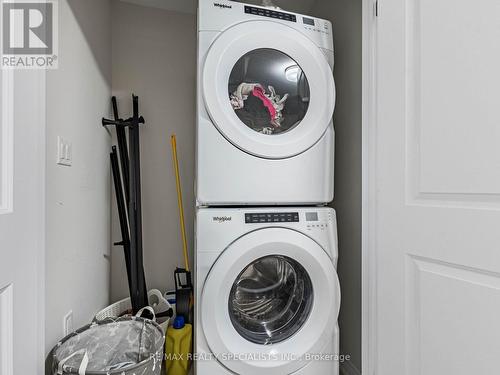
(258, 92)
(260, 109)
(268, 91)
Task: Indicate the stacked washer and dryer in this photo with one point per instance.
(267, 291)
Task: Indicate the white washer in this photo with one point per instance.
(267, 291)
(253, 148)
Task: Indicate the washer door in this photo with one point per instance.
(271, 297)
(268, 89)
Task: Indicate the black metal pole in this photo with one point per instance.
(135, 214)
(132, 181)
(134, 295)
(124, 162)
(122, 214)
(122, 147)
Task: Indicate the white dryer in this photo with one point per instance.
(265, 101)
(267, 291)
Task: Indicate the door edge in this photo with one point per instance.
(369, 203)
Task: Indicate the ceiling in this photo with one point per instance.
(189, 6)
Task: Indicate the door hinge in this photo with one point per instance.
(376, 8)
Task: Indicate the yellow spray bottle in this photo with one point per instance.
(178, 347)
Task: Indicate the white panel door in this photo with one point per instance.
(22, 160)
(436, 188)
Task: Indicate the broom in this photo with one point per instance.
(182, 276)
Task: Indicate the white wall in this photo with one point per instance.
(78, 197)
(346, 16)
(154, 56)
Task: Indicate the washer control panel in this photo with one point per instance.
(318, 220)
(271, 217)
(270, 13)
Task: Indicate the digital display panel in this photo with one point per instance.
(308, 21)
(312, 216)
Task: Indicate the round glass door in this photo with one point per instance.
(268, 91)
(270, 300)
(273, 293)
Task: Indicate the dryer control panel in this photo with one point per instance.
(219, 15)
(265, 12)
(316, 26)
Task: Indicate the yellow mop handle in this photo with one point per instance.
(179, 200)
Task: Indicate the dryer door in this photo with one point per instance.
(268, 89)
(271, 297)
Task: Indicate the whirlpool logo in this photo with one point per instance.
(222, 219)
(223, 6)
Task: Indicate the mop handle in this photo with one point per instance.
(179, 200)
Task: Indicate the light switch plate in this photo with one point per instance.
(68, 323)
(64, 152)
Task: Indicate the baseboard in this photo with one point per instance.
(348, 368)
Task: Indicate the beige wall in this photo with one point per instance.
(77, 197)
(346, 18)
(154, 56)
